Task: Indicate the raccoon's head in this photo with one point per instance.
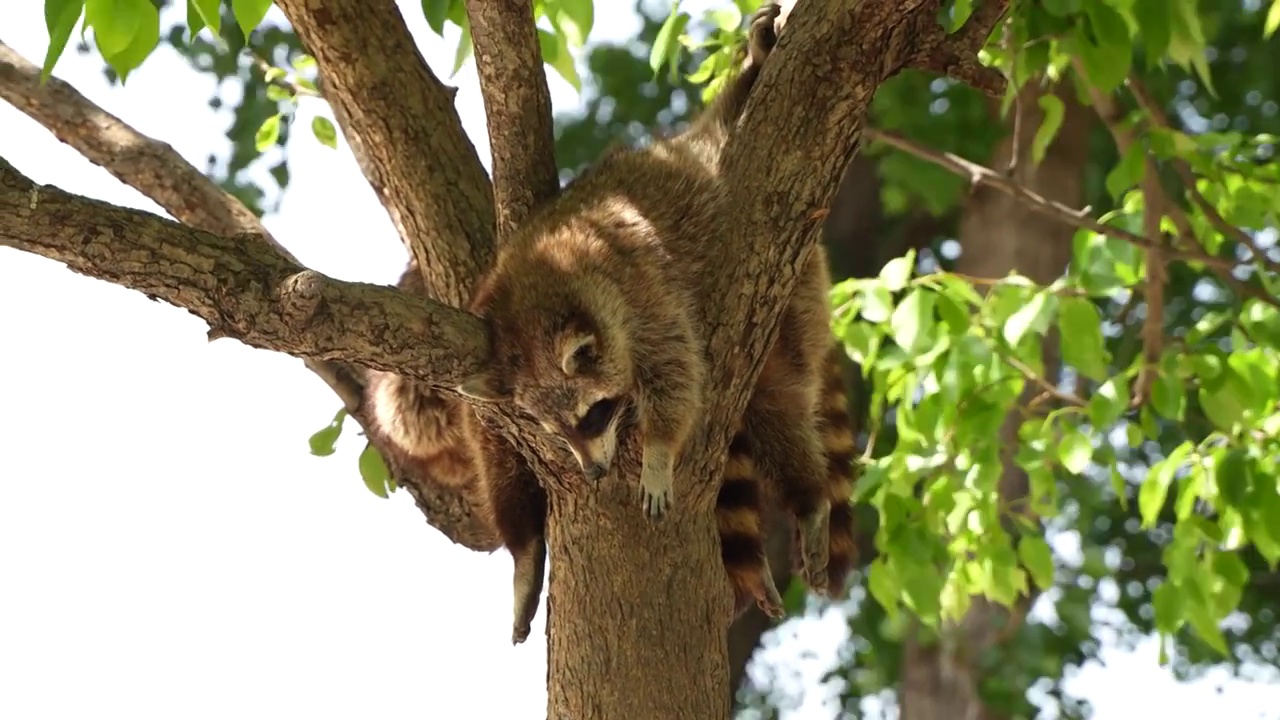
(577, 385)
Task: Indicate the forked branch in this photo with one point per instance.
(402, 127)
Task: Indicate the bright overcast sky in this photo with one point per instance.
(168, 547)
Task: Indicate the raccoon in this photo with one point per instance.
(837, 434)
(592, 306)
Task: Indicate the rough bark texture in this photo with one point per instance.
(241, 286)
(647, 601)
(517, 107)
(156, 170)
(401, 125)
(999, 234)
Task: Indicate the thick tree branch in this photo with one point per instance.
(156, 170)
(956, 56)
(400, 122)
(517, 107)
(241, 285)
(804, 128)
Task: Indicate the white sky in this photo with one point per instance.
(168, 546)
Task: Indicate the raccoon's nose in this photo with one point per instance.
(595, 471)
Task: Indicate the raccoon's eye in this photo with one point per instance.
(597, 418)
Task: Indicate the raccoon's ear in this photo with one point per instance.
(577, 351)
(485, 385)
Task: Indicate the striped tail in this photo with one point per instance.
(739, 519)
(836, 429)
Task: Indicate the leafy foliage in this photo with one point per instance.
(1152, 502)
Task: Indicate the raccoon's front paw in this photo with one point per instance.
(762, 34)
(655, 493)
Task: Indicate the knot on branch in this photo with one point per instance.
(301, 296)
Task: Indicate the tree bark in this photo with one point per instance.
(999, 234)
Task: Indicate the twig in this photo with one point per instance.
(980, 174)
(1157, 273)
(278, 77)
(1157, 117)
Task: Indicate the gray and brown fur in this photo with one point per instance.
(620, 258)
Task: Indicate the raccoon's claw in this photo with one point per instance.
(519, 633)
(655, 501)
(762, 34)
(768, 599)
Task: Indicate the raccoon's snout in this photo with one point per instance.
(594, 471)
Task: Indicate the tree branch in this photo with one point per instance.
(956, 55)
(1110, 114)
(156, 170)
(517, 107)
(981, 174)
(401, 125)
(1158, 119)
(804, 130)
(241, 285)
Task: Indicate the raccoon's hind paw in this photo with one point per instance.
(815, 537)
(768, 599)
(762, 34)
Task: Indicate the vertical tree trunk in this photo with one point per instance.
(997, 235)
(662, 654)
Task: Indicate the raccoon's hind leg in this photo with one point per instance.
(739, 509)
(519, 510)
(788, 452)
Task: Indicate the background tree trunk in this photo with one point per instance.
(940, 680)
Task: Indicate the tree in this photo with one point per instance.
(1049, 156)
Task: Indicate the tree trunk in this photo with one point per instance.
(940, 681)
(661, 653)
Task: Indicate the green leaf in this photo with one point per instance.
(1082, 344)
(1034, 316)
(464, 50)
(60, 18)
(323, 441)
(1168, 397)
(145, 37)
(1168, 604)
(1075, 451)
(1273, 20)
(1155, 488)
(897, 272)
(1156, 28)
(877, 303)
(115, 23)
(374, 471)
(1127, 172)
(436, 12)
(667, 44)
(267, 134)
(249, 13)
(912, 322)
(303, 63)
(1109, 402)
(1053, 111)
(324, 131)
(575, 18)
(1231, 474)
(555, 52)
(1037, 558)
(208, 12)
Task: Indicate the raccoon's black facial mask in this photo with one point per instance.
(597, 419)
